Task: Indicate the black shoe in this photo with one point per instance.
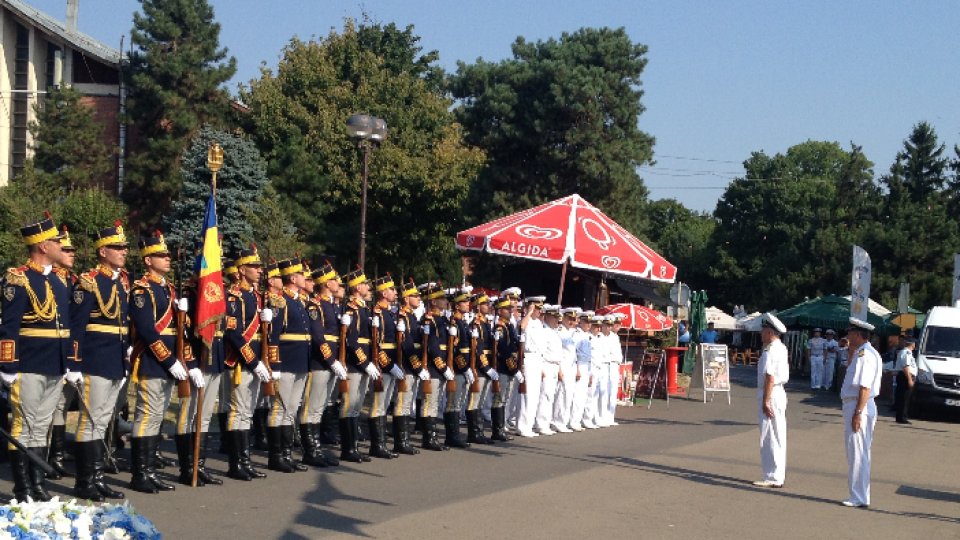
(56, 457)
(20, 467)
(430, 441)
(903, 421)
(497, 415)
(154, 444)
(348, 447)
(202, 473)
(275, 461)
(310, 443)
(236, 471)
(475, 428)
(185, 460)
(452, 436)
(286, 434)
(139, 463)
(98, 450)
(84, 487)
(37, 478)
(378, 447)
(401, 436)
(245, 463)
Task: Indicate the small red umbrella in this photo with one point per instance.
(639, 317)
(569, 230)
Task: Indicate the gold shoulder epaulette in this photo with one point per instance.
(141, 283)
(17, 276)
(88, 280)
(234, 290)
(276, 301)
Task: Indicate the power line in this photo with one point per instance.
(685, 158)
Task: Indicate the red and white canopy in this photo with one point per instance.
(569, 229)
(639, 317)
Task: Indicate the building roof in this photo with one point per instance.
(55, 28)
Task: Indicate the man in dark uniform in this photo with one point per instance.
(434, 325)
(331, 293)
(247, 322)
(292, 329)
(99, 322)
(58, 429)
(481, 367)
(273, 300)
(34, 346)
(459, 329)
(156, 369)
(360, 369)
(384, 328)
(415, 371)
(325, 371)
(508, 341)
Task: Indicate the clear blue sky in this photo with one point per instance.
(723, 79)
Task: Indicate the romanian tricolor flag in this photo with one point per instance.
(210, 304)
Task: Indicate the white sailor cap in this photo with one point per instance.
(573, 312)
(817, 330)
(857, 323)
(535, 300)
(511, 291)
(550, 309)
(588, 315)
(771, 321)
(596, 320)
(609, 319)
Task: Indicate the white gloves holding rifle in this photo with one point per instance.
(197, 377)
(469, 375)
(401, 326)
(372, 371)
(448, 374)
(183, 305)
(262, 372)
(345, 319)
(339, 371)
(73, 377)
(396, 371)
(177, 371)
(519, 377)
(492, 373)
(266, 315)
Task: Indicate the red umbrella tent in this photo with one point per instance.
(569, 230)
(639, 317)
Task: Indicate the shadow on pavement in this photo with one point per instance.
(932, 494)
(318, 511)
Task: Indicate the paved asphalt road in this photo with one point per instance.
(677, 472)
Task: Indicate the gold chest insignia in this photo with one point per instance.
(212, 293)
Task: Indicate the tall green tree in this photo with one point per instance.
(418, 177)
(69, 150)
(681, 235)
(558, 117)
(174, 81)
(785, 231)
(919, 233)
(240, 190)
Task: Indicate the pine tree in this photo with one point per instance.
(174, 82)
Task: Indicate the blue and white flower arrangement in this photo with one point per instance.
(59, 520)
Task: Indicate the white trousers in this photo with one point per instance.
(580, 392)
(816, 371)
(858, 449)
(829, 366)
(564, 401)
(608, 404)
(597, 399)
(773, 437)
(548, 393)
(530, 401)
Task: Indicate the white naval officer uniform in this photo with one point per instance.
(816, 346)
(864, 370)
(773, 431)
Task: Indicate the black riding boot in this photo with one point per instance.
(84, 487)
(259, 431)
(20, 466)
(245, 463)
(139, 447)
(37, 477)
(56, 458)
(348, 446)
(154, 444)
(98, 449)
(451, 425)
(328, 425)
(224, 447)
(355, 429)
(401, 436)
(275, 461)
(475, 428)
(202, 472)
(185, 459)
(286, 433)
(430, 441)
(497, 417)
(159, 461)
(233, 444)
(329, 460)
(378, 447)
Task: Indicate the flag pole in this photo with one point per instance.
(563, 279)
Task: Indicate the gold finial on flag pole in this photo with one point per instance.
(214, 161)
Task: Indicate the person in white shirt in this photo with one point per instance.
(860, 386)
(581, 385)
(906, 370)
(552, 354)
(614, 360)
(595, 347)
(830, 359)
(563, 403)
(602, 355)
(815, 349)
(773, 371)
(534, 345)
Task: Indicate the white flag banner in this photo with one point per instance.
(956, 279)
(860, 284)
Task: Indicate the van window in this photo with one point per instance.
(942, 341)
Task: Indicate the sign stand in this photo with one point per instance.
(653, 380)
(712, 373)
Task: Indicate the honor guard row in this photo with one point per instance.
(297, 347)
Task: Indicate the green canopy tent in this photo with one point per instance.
(698, 323)
(830, 311)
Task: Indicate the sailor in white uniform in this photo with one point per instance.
(773, 371)
(816, 346)
(860, 386)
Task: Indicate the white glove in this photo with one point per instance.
(345, 319)
(475, 334)
(453, 331)
(424, 375)
(129, 352)
(123, 381)
(375, 321)
(519, 377)
(396, 371)
(492, 373)
(276, 374)
(178, 372)
(9, 378)
(339, 371)
(266, 315)
(73, 377)
(262, 372)
(426, 329)
(523, 338)
(448, 374)
(372, 371)
(183, 305)
(197, 377)
(497, 335)
(469, 375)
(401, 326)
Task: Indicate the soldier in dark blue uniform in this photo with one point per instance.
(481, 345)
(68, 397)
(508, 342)
(99, 324)
(410, 338)
(34, 346)
(360, 368)
(435, 326)
(325, 370)
(459, 329)
(247, 323)
(156, 368)
(384, 326)
(273, 300)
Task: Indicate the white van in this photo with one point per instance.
(938, 360)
